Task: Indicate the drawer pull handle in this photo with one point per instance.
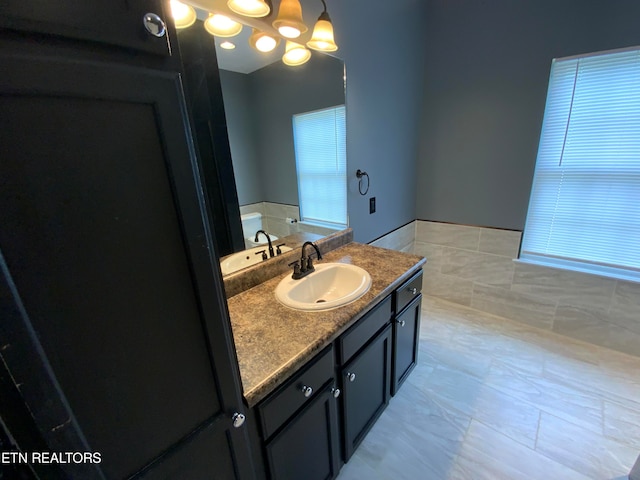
(413, 290)
(154, 25)
(351, 376)
(238, 419)
(335, 392)
(400, 322)
(307, 391)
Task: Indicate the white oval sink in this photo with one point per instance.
(245, 258)
(331, 285)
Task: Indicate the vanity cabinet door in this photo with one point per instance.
(406, 332)
(365, 393)
(109, 22)
(308, 447)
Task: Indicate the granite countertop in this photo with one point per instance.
(273, 341)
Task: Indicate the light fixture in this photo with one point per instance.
(295, 54)
(222, 26)
(250, 8)
(227, 45)
(183, 15)
(322, 38)
(289, 21)
(262, 41)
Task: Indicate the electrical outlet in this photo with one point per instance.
(372, 205)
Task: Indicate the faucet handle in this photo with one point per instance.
(263, 252)
(310, 267)
(278, 250)
(296, 270)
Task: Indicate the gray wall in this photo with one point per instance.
(488, 66)
(238, 104)
(281, 92)
(259, 107)
(382, 44)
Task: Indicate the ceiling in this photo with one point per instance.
(243, 58)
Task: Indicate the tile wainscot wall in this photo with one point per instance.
(274, 219)
(475, 267)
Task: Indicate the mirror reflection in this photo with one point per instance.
(260, 104)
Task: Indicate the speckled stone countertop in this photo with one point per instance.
(273, 341)
(247, 278)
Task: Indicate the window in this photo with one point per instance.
(584, 211)
(321, 164)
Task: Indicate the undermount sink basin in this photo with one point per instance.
(331, 285)
(245, 258)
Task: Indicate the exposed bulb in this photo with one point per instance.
(250, 8)
(295, 54)
(183, 15)
(222, 26)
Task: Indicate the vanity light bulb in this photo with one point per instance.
(222, 26)
(227, 45)
(289, 21)
(262, 41)
(295, 54)
(266, 44)
(322, 38)
(289, 32)
(250, 8)
(183, 15)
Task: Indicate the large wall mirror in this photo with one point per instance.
(261, 95)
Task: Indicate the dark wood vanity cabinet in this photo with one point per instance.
(406, 330)
(301, 435)
(114, 318)
(365, 374)
(299, 424)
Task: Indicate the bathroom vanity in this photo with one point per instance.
(316, 382)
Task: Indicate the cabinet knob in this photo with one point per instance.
(351, 376)
(238, 419)
(335, 392)
(154, 24)
(400, 322)
(413, 290)
(307, 391)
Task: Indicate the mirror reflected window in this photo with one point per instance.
(321, 165)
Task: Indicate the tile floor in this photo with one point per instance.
(494, 399)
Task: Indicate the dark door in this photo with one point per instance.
(114, 318)
(112, 22)
(308, 448)
(366, 381)
(406, 332)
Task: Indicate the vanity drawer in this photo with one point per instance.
(408, 291)
(358, 335)
(287, 399)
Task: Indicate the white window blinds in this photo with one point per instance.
(321, 161)
(584, 211)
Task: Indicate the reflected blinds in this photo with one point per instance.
(584, 211)
(321, 161)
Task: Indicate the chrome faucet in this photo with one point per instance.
(305, 265)
(271, 254)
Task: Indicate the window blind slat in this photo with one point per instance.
(584, 210)
(321, 163)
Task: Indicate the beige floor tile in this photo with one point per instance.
(593, 455)
(622, 423)
(487, 454)
(579, 406)
(495, 399)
